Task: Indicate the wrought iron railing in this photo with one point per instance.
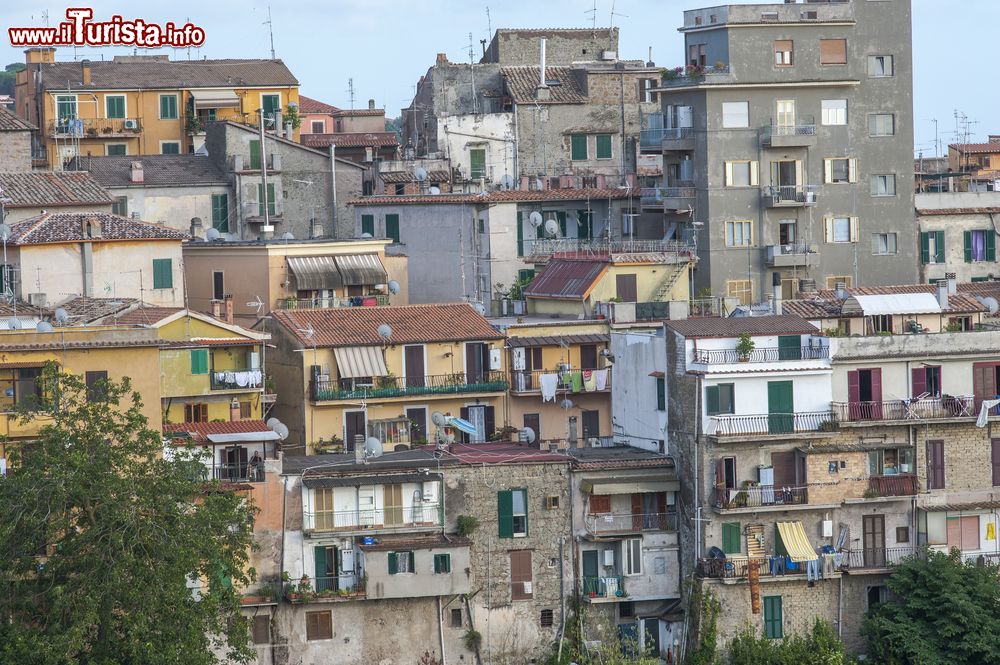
(609, 523)
(94, 127)
(771, 423)
(395, 386)
(928, 408)
(735, 567)
(264, 592)
(761, 355)
(327, 588)
(903, 484)
(603, 587)
(657, 195)
(419, 515)
(767, 131)
(753, 494)
(589, 380)
(790, 194)
(879, 557)
(239, 473)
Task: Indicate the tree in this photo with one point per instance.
(8, 77)
(820, 647)
(101, 540)
(948, 612)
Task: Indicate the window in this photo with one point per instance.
(477, 163)
(442, 564)
(318, 126)
(168, 107)
(883, 243)
(66, 107)
(697, 56)
(319, 625)
(833, 51)
(881, 323)
(719, 399)
(932, 247)
(741, 174)
(115, 149)
(599, 504)
(245, 410)
(834, 112)
(960, 323)
(740, 288)
(392, 227)
(520, 575)
(401, 562)
(772, 618)
(163, 274)
(980, 246)
(255, 154)
(456, 617)
(120, 206)
(199, 361)
(271, 202)
(545, 619)
(902, 534)
(604, 146)
(661, 394)
(880, 65)
(783, 52)
(884, 184)
(512, 508)
(731, 537)
(841, 229)
(170, 147)
(368, 225)
(114, 106)
(218, 284)
(220, 212)
(578, 146)
(97, 389)
(881, 124)
(261, 630)
(935, 463)
(196, 413)
(633, 556)
(735, 115)
(400, 188)
(739, 233)
(840, 169)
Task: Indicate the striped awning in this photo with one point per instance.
(313, 273)
(796, 542)
(215, 99)
(359, 361)
(361, 269)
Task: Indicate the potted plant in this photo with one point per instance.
(744, 347)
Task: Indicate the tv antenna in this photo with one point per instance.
(593, 16)
(256, 304)
(489, 23)
(614, 14)
(270, 30)
(350, 91)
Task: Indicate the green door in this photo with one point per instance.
(325, 556)
(790, 347)
(780, 407)
(591, 581)
(477, 163)
(271, 105)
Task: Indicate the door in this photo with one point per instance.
(651, 637)
(392, 505)
(864, 394)
(476, 362)
(784, 177)
(873, 529)
(625, 287)
(780, 407)
(588, 356)
(354, 426)
(326, 568)
(418, 424)
(236, 464)
(786, 113)
(591, 575)
(984, 382)
(534, 421)
(532, 364)
(935, 465)
(790, 347)
(591, 424)
(413, 365)
(218, 285)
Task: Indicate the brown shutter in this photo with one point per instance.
(995, 459)
(954, 532)
(784, 468)
(261, 629)
(970, 532)
(520, 572)
(833, 51)
(935, 465)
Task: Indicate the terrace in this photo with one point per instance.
(380, 387)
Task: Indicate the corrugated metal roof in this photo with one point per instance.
(565, 278)
(361, 269)
(892, 303)
(360, 361)
(552, 340)
(313, 273)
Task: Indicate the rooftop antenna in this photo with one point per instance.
(350, 91)
(614, 14)
(256, 304)
(472, 72)
(270, 30)
(593, 16)
(489, 23)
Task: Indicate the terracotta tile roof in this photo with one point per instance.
(523, 81)
(824, 304)
(157, 170)
(406, 176)
(734, 326)
(500, 196)
(11, 123)
(351, 140)
(145, 315)
(976, 148)
(36, 189)
(358, 326)
(159, 72)
(202, 342)
(200, 431)
(602, 465)
(310, 105)
(57, 227)
(84, 309)
(358, 113)
(503, 453)
(410, 542)
(566, 278)
(957, 211)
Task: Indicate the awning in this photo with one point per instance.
(361, 269)
(360, 361)
(23, 364)
(215, 99)
(359, 481)
(463, 425)
(243, 437)
(635, 486)
(892, 303)
(796, 542)
(313, 273)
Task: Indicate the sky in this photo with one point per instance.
(384, 46)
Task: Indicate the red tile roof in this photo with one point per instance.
(351, 140)
(155, 71)
(12, 123)
(976, 148)
(522, 82)
(358, 326)
(734, 326)
(503, 453)
(501, 196)
(53, 189)
(357, 113)
(58, 227)
(145, 315)
(200, 431)
(565, 278)
(310, 105)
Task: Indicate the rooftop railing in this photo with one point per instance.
(761, 355)
(95, 128)
(878, 557)
(396, 386)
(599, 247)
(616, 523)
(770, 423)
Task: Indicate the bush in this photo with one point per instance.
(467, 524)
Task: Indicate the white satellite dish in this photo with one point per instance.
(366, 236)
(439, 419)
(393, 287)
(281, 429)
(271, 422)
(566, 404)
(44, 327)
(385, 331)
(551, 228)
(527, 435)
(535, 219)
(373, 447)
(13, 323)
(420, 173)
(62, 316)
(507, 181)
(212, 234)
(434, 191)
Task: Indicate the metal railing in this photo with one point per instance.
(753, 495)
(878, 557)
(526, 381)
(609, 523)
(992, 558)
(230, 379)
(681, 76)
(379, 299)
(771, 423)
(790, 249)
(768, 131)
(736, 567)
(761, 355)
(657, 195)
(903, 484)
(603, 587)
(599, 247)
(779, 195)
(396, 386)
(239, 473)
(266, 592)
(654, 137)
(420, 515)
(327, 588)
(94, 127)
(928, 408)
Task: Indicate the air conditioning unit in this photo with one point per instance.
(37, 299)
(609, 55)
(551, 502)
(131, 123)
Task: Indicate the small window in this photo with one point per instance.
(196, 413)
(120, 206)
(840, 170)
(442, 563)
(118, 149)
(739, 233)
(881, 124)
(261, 630)
(741, 289)
(168, 108)
(773, 624)
(735, 115)
(633, 556)
(199, 361)
(245, 410)
(741, 174)
(114, 106)
(980, 245)
(834, 112)
(545, 619)
(880, 65)
(255, 154)
(883, 243)
(578, 146)
(604, 146)
(661, 394)
(783, 52)
(599, 504)
(520, 512)
(841, 229)
(400, 563)
(271, 199)
(318, 126)
(902, 534)
(163, 274)
(884, 184)
(400, 189)
(719, 399)
(833, 51)
(456, 617)
(319, 625)
(170, 148)
(97, 388)
(626, 609)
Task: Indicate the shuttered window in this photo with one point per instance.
(163, 273)
(599, 504)
(980, 246)
(512, 513)
(719, 399)
(319, 625)
(270, 199)
(773, 629)
(114, 106)
(477, 163)
(604, 146)
(932, 247)
(97, 388)
(442, 563)
(520, 575)
(261, 629)
(220, 212)
(392, 227)
(199, 361)
(400, 562)
(168, 107)
(368, 225)
(661, 394)
(833, 51)
(731, 537)
(578, 146)
(255, 154)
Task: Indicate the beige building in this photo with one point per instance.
(957, 235)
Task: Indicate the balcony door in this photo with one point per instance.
(327, 564)
(780, 407)
(785, 113)
(864, 392)
(413, 365)
(873, 531)
(591, 573)
(392, 505)
(236, 464)
(477, 362)
(354, 426)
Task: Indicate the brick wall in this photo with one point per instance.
(15, 151)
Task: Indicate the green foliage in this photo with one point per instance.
(820, 647)
(614, 651)
(706, 608)
(8, 76)
(100, 537)
(467, 524)
(745, 345)
(292, 115)
(949, 612)
(472, 640)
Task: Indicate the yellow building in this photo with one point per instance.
(145, 105)
(384, 371)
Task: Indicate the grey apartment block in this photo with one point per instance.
(792, 152)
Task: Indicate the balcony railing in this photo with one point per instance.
(420, 515)
(790, 195)
(761, 355)
(603, 587)
(395, 386)
(929, 408)
(95, 127)
(326, 589)
(653, 138)
(735, 567)
(771, 423)
(528, 381)
(788, 130)
(236, 379)
(685, 76)
(878, 557)
(601, 248)
(614, 523)
(903, 484)
(239, 473)
(666, 196)
(372, 300)
(266, 592)
(753, 495)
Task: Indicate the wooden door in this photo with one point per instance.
(392, 504)
(354, 425)
(625, 288)
(995, 460)
(873, 528)
(413, 365)
(780, 407)
(984, 384)
(784, 468)
(935, 465)
(520, 575)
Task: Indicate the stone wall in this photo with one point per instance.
(562, 47)
(15, 151)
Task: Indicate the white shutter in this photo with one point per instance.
(729, 174)
(754, 173)
(799, 173)
(854, 229)
(852, 170)
(685, 116)
(828, 223)
(827, 171)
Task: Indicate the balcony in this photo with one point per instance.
(94, 128)
(422, 516)
(327, 589)
(878, 558)
(371, 300)
(792, 256)
(771, 424)
(612, 524)
(685, 77)
(237, 473)
(595, 248)
(904, 410)
(267, 592)
(755, 495)
(666, 139)
(384, 387)
(903, 484)
(606, 589)
(789, 196)
(526, 382)
(667, 198)
(760, 355)
(788, 136)
(236, 379)
(737, 567)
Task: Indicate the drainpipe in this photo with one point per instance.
(263, 172)
(444, 658)
(333, 184)
(562, 601)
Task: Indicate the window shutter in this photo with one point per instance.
(827, 170)
(393, 563)
(260, 199)
(925, 247)
(754, 173)
(729, 174)
(520, 235)
(872, 125)
(561, 216)
(489, 421)
(991, 245)
(853, 386)
(829, 228)
(505, 513)
(255, 153)
(368, 224)
(939, 247)
(876, 384)
(800, 173)
(392, 227)
(583, 228)
(854, 229)
(852, 170)
(320, 555)
(731, 537)
(661, 394)
(918, 381)
(712, 399)
(412, 568)
(968, 246)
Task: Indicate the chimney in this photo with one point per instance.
(841, 290)
(442, 59)
(217, 309)
(371, 104)
(85, 64)
(952, 282)
(542, 91)
(776, 291)
(135, 173)
(359, 448)
(942, 293)
(196, 227)
(227, 301)
(572, 432)
(39, 54)
(994, 138)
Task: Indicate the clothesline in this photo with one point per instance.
(576, 381)
(250, 378)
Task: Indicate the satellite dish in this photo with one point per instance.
(13, 323)
(535, 219)
(281, 429)
(62, 316)
(271, 422)
(393, 287)
(366, 236)
(527, 435)
(385, 331)
(990, 303)
(212, 234)
(438, 419)
(507, 181)
(373, 447)
(288, 235)
(420, 173)
(479, 307)
(434, 191)
(566, 404)
(44, 327)
(552, 228)
(4, 232)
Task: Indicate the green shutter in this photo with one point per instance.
(540, 231)
(168, 107)
(115, 106)
(270, 199)
(368, 225)
(255, 154)
(320, 554)
(586, 219)
(925, 247)
(604, 146)
(527, 529)
(199, 361)
(772, 618)
(163, 274)
(661, 394)
(412, 568)
(393, 563)
(220, 212)
(968, 246)
(505, 513)
(712, 400)
(789, 347)
(779, 544)
(477, 163)
(442, 563)
(991, 245)
(578, 145)
(780, 407)
(520, 235)
(731, 537)
(392, 227)
(939, 246)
